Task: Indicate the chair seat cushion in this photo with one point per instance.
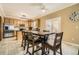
(51, 42)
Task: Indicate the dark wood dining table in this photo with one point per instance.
(43, 37)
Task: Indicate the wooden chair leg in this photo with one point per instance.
(33, 50)
(24, 44)
(37, 48)
(54, 52)
(78, 51)
(27, 48)
(60, 50)
(47, 51)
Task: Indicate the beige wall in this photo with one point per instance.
(71, 34)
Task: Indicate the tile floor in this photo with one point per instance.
(13, 47)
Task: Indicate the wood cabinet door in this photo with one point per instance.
(6, 21)
(26, 23)
(11, 21)
(15, 22)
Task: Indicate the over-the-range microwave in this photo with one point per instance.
(8, 27)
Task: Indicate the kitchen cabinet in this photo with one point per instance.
(6, 21)
(11, 21)
(1, 27)
(26, 23)
(16, 22)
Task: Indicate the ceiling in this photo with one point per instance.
(31, 10)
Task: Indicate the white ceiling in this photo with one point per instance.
(31, 10)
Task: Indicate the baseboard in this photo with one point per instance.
(72, 44)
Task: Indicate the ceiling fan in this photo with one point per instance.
(41, 6)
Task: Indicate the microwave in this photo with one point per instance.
(8, 27)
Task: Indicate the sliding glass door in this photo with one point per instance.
(54, 24)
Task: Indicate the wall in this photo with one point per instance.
(71, 30)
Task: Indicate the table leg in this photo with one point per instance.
(43, 49)
(43, 45)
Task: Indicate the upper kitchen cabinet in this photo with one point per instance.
(22, 22)
(26, 23)
(19, 22)
(15, 22)
(11, 21)
(6, 20)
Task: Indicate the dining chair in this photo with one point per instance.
(33, 41)
(36, 29)
(24, 39)
(46, 31)
(56, 43)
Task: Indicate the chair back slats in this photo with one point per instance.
(46, 38)
(54, 43)
(24, 36)
(30, 36)
(58, 39)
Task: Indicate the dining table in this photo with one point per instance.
(43, 36)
